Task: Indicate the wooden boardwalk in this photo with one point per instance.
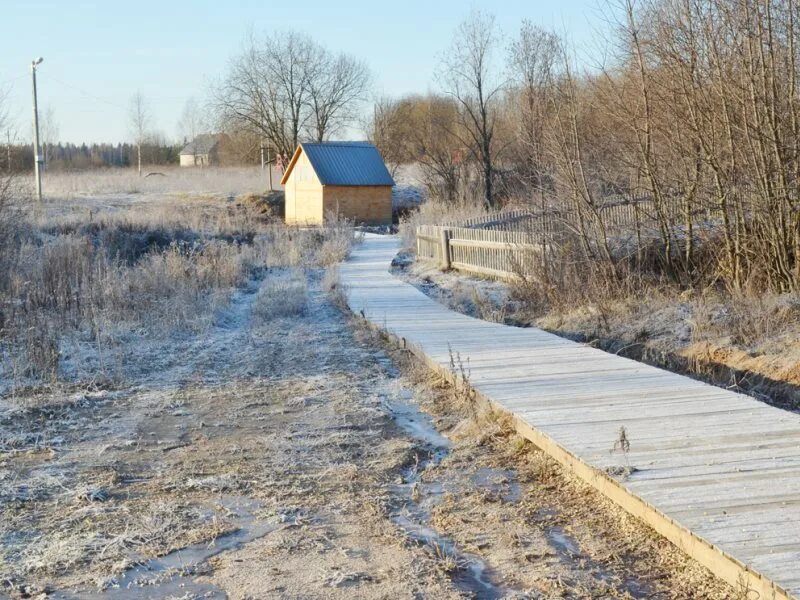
(716, 472)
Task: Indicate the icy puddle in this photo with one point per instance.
(469, 573)
(176, 574)
(502, 482)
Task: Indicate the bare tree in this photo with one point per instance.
(5, 126)
(8, 191)
(192, 122)
(386, 130)
(288, 59)
(140, 120)
(244, 100)
(422, 130)
(264, 90)
(48, 132)
(470, 76)
(336, 87)
(438, 143)
(533, 59)
(285, 87)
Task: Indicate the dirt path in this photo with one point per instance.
(288, 458)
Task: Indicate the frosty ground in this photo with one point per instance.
(283, 450)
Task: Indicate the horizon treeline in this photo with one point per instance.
(235, 150)
(62, 156)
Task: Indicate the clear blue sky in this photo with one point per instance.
(97, 54)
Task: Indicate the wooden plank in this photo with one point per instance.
(490, 244)
(719, 472)
(427, 238)
(479, 270)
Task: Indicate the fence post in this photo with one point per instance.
(444, 237)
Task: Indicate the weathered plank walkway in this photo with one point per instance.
(717, 473)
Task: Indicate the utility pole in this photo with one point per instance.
(269, 166)
(8, 151)
(262, 153)
(37, 157)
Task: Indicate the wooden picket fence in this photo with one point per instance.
(430, 243)
(485, 252)
(499, 244)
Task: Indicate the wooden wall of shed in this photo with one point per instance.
(195, 160)
(303, 195)
(364, 204)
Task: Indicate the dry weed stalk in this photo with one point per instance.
(447, 557)
(332, 286)
(464, 393)
(622, 444)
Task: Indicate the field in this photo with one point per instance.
(187, 410)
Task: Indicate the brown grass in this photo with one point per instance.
(139, 268)
(285, 296)
(213, 180)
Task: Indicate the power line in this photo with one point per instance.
(87, 94)
(13, 79)
(111, 102)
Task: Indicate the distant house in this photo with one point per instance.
(348, 179)
(202, 151)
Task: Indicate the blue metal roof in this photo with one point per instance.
(347, 163)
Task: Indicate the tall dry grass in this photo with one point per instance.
(153, 272)
(285, 296)
(195, 218)
(436, 212)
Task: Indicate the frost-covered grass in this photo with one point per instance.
(285, 296)
(84, 281)
(211, 180)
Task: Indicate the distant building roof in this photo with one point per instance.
(202, 144)
(344, 163)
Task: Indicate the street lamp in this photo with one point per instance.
(37, 156)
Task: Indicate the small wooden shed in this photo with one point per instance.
(346, 179)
